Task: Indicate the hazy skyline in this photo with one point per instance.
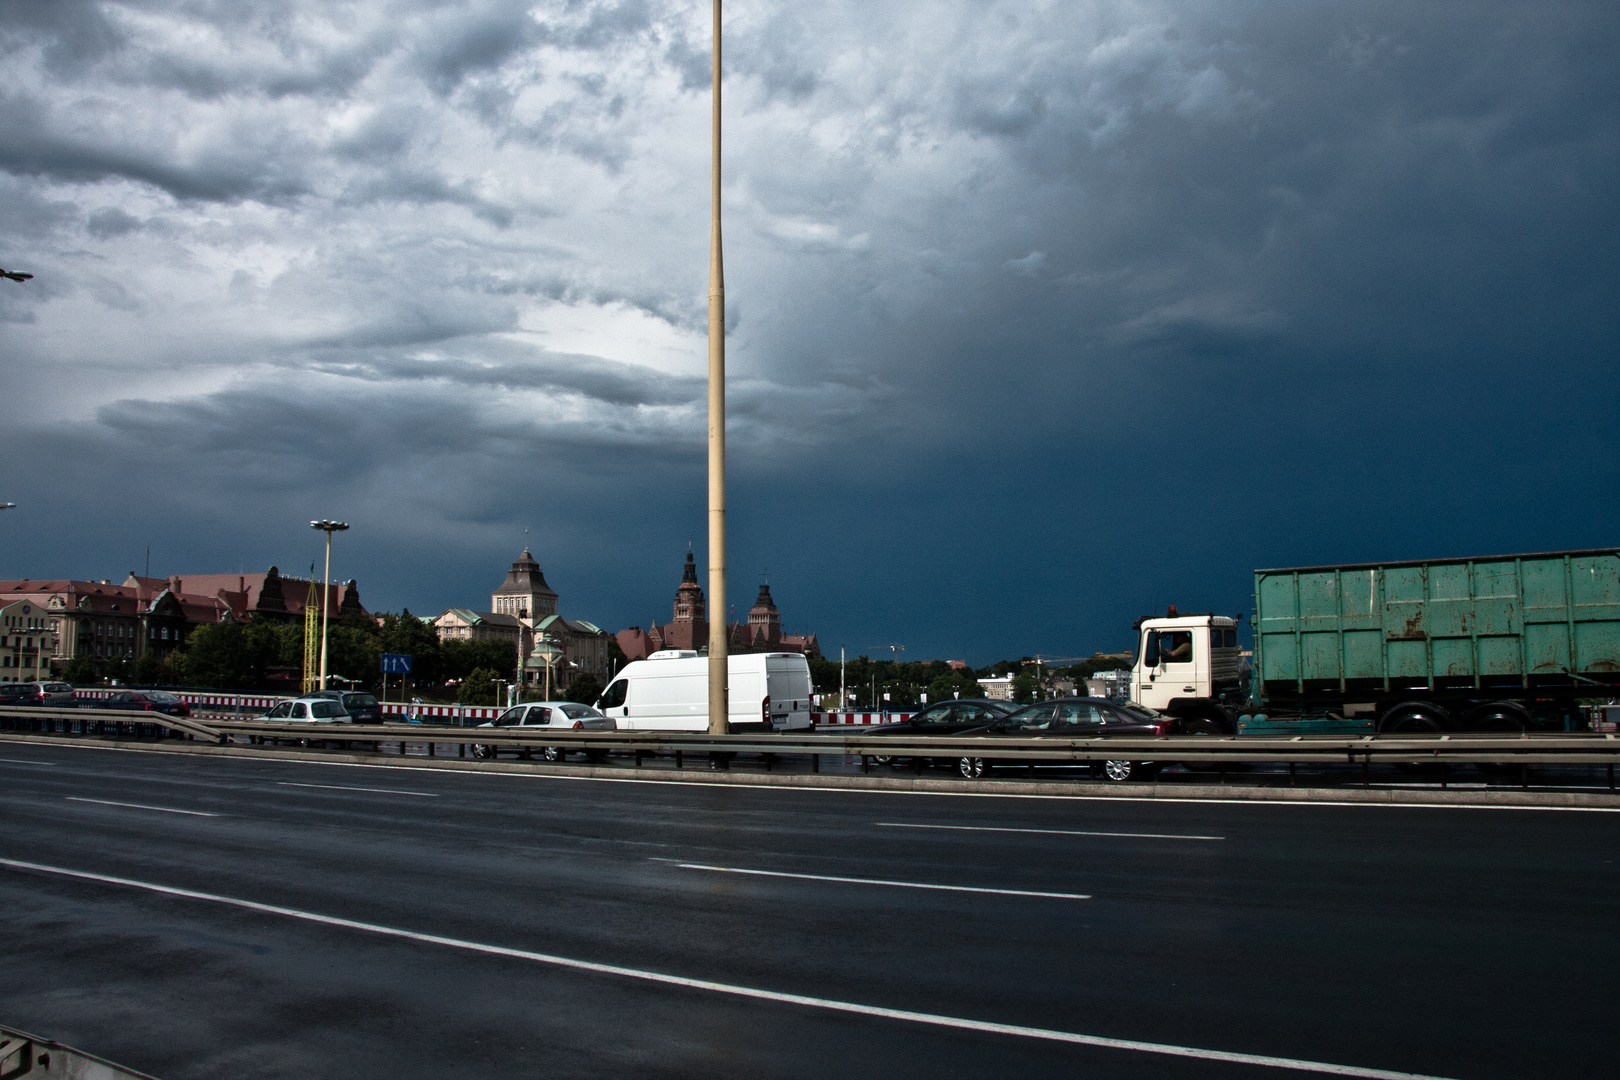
(1041, 315)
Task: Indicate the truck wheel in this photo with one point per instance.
(1201, 726)
(971, 768)
(1415, 723)
(1498, 717)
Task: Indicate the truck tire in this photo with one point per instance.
(1408, 720)
(1505, 717)
(1201, 726)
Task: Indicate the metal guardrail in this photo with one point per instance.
(1460, 748)
(29, 1057)
(69, 717)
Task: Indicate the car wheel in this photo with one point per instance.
(881, 759)
(1121, 771)
(552, 753)
(970, 768)
(480, 750)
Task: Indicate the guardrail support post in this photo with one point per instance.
(815, 767)
(1291, 781)
(1524, 777)
(1445, 775)
(864, 767)
(430, 748)
(402, 747)
(461, 749)
(1611, 777)
(677, 759)
(1366, 764)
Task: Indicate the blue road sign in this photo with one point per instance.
(396, 663)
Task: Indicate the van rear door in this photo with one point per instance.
(788, 678)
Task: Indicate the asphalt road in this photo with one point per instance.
(1452, 942)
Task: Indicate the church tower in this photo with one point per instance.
(690, 630)
(764, 621)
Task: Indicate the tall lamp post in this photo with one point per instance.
(718, 708)
(327, 527)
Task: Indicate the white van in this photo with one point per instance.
(669, 691)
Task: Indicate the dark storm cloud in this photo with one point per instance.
(1180, 288)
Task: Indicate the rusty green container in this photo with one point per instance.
(1522, 626)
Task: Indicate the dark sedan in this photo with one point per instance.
(943, 718)
(361, 706)
(1075, 718)
(144, 701)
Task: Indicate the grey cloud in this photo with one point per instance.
(602, 380)
(110, 221)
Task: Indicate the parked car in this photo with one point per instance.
(1071, 718)
(14, 693)
(943, 718)
(55, 694)
(308, 709)
(569, 715)
(145, 701)
(361, 706)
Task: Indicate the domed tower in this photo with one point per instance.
(764, 621)
(524, 593)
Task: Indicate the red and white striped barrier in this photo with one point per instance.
(453, 714)
(832, 719)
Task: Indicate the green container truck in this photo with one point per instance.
(1506, 643)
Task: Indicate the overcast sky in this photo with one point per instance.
(1042, 315)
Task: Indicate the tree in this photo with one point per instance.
(1025, 687)
(80, 670)
(585, 689)
(149, 669)
(478, 688)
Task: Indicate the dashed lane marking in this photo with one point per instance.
(753, 993)
(879, 881)
(140, 806)
(347, 787)
(1049, 832)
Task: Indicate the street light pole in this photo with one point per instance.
(718, 707)
(327, 527)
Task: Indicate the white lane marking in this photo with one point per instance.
(345, 787)
(1050, 832)
(880, 881)
(25, 761)
(140, 806)
(830, 1004)
(455, 770)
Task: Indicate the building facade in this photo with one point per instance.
(524, 611)
(27, 642)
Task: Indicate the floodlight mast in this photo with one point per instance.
(328, 527)
(718, 690)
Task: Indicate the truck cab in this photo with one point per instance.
(1188, 665)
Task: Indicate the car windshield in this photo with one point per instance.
(577, 712)
(1136, 712)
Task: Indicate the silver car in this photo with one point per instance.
(308, 710)
(541, 715)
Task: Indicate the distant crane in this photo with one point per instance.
(1039, 661)
(897, 649)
